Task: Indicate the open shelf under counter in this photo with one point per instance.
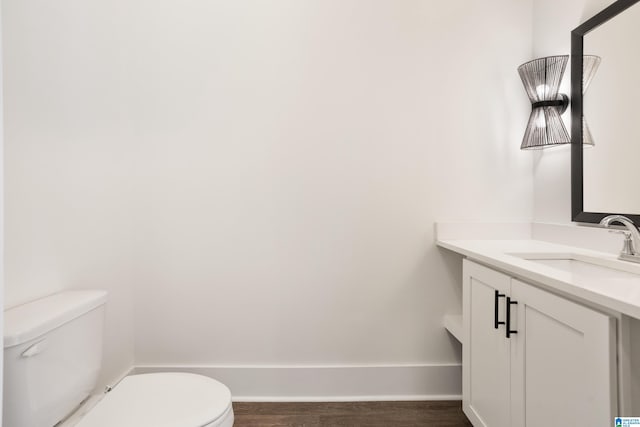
(453, 324)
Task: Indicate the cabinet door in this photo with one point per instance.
(485, 350)
(562, 361)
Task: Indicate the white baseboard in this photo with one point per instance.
(330, 383)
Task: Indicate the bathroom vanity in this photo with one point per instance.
(545, 332)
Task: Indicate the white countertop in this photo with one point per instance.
(621, 294)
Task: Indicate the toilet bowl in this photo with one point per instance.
(168, 399)
(52, 358)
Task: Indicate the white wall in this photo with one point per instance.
(261, 177)
(552, 25)
(68, 161)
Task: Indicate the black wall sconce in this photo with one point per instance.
(541, 79)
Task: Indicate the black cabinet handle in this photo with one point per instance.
(497, 296)
(508, 325)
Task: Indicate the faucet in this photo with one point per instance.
(631, 237)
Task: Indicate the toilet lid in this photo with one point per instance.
(161, 400)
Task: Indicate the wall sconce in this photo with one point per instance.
(541, 79)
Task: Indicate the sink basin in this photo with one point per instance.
(584, 266)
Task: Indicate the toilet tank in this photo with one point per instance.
(52, 356)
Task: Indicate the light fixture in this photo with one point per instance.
(541, 78)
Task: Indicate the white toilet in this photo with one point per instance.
(52, 357)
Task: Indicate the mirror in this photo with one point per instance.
(604, 177)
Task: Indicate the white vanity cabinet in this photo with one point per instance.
(555, 367)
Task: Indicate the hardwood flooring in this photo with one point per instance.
(352, 414)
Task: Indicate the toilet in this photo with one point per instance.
(52, 358)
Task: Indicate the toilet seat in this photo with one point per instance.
(171, 399)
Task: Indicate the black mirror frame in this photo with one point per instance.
(577, 189)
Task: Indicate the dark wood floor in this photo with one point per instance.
(370, 414)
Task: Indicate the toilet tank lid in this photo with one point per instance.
(33, 319)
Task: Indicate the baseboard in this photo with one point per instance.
(116, 380)
(294, 383)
